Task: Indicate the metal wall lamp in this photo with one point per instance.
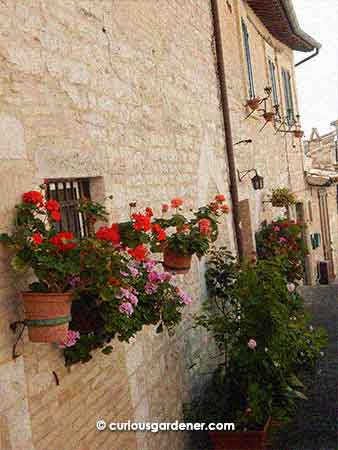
(257, 181)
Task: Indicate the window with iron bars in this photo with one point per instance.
(289, 108)
(69, 193)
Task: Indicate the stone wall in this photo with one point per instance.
(125, 93)
(277, 157)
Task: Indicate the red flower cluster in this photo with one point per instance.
(37, 238)
(165, 207)
(176, 202)
(63, 240)
(204, 226)
(142, 222)
(111, 234)
(53, 207)
(149, 212)
(33, 197)
(140, 252)
(160, 233)
(220, 198)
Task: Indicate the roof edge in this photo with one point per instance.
(292, 18)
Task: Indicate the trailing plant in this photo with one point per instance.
(283, 197)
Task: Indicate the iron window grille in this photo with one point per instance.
(290, 114)
(69, 192)
(246, 40)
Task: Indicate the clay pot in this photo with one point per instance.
(269, 116)
(253, 103)
(298, 134)
(47, 315)
(240, 440)
(176, 263)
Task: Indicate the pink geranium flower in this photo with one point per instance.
(252, 344)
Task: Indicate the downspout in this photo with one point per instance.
(308, 58)
(227, 129)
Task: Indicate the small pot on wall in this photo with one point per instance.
(298, 134)
(240, 440)
(269, 116)
(176, 263)
(47, 315)
(253, 103)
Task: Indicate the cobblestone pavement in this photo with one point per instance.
(315, 427)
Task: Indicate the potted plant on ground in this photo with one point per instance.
(282, 197)
(54, 258)
(259, 344)
(190, 235)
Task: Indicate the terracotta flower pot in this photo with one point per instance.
(47, 315)
(253, 103)
(298, 134)
(176, 263)
(240, 440)
(269, 116)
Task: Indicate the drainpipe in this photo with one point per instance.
(308, 58)
(227, 129)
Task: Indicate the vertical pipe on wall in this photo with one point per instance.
(227, 128)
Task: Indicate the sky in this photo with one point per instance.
(317, 79)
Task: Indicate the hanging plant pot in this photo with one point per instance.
(47, 315)
(269, 116)
(298, 134)
(176, 263)
(240, 440)
(253, 103)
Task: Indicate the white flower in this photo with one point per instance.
(291, 287)
(266, 349)
(311, 328)
(322, 354)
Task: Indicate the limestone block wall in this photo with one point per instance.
(278, 158)
(123, 92)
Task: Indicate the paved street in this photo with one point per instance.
(315, 427)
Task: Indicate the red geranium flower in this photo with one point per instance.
(176, 202)
(142, 222)
(37, 238)
(111, 234)
(52, 205)
(165, 207)
(214, 206)
(139, 253)
(160, 233)
(56, 216)
(204, 226)
(225, 209)
(149, 212)
(220, 198)
(63, 240)
(33, 197)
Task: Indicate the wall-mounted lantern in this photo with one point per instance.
(257, 181)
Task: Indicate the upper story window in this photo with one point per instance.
(248, 60)
(289, 109)
(273, 80)
(68, 192)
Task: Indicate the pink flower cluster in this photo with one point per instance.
(129, 300)
(184, 296)
(71, 339)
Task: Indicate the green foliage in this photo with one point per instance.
(264, 337)
(283, 239)
(283, 197)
